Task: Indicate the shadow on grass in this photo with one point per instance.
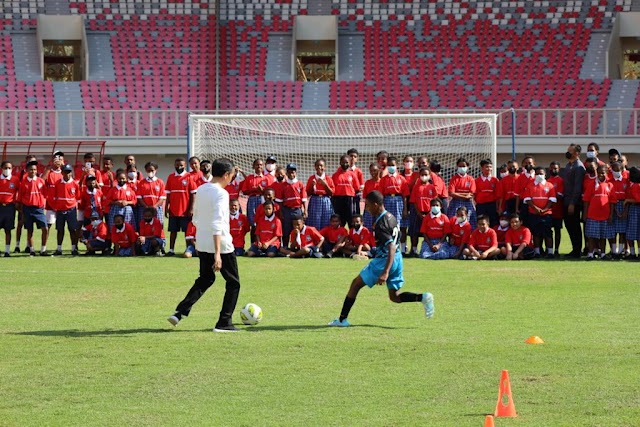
(75, 333)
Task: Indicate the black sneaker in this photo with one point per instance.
(75, 252)
(228, 328)
(16, 250)
(32, 253)
(27, 250)
(107, 251)
(7, 254)
(45, 253)
(170, 253)
(56, 253)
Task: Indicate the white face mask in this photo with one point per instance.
(270, 167)
(460, 220)
(6, 172)
(591, 154)
(616, 175)
(463, 170)
(408, 166)
(391, 170)
(424, 178)
(96, 222)
(150, 175)
(131, 175)
(435, 210)
(539, 179)
(504, 174)
(504, 224)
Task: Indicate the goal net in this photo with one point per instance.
(302, 139)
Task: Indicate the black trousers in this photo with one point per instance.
(207, 276)
(343, 206)
(572, 223)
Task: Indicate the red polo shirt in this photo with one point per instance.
(435, 227)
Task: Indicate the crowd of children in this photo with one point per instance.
(517, 215)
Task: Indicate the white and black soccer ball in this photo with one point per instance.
(251, 314)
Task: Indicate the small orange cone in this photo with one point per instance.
(488, 421)
(505, 406)
(534, 340)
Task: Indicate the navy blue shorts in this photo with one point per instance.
(7, 217)
(178, 223)
(68, 218)
(540, 225)
(263, 252)
(98, 245)
(34, 215)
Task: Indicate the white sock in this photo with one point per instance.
(44, 248)
(74, 247)
(537, 251)
(7, 248)
(590, 254)
(403, 246)
(550, 251)
(414, 249)
(18, 244)
(59, 247)
(171, 251)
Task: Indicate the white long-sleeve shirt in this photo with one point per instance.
(211, 218)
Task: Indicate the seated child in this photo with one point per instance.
(123, 237)
(460, 233)
(360, 240)
(268, 232)
(334, 237)
(269, 195)
(483, 242)
(435, 229)
(501, 230)
(518, 242)
(190, 237)
(239, 226)
(304, 241)
(96, 234)
(151, 240)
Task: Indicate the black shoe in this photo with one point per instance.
(16, 250)
(107, 251)
(329, 255)
(170, 253)
(607, 257)
(45, 253)
(32, 254)
(7, 254)
(228, 328)
(56, 253)
(27, 250)
(537, 256)
(75, 252)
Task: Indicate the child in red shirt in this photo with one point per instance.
(294, 201)
(304, 241)
(123, 237)
(435, 228)
(320, 188)
(501, 229)
(64, 200)
(462, 188)
(151, 239)
(518, 243)
(420, 205)
(190, 237)
(599, 208)
(268, 232)
(540, 196)
(557, 211)
(360, 240)
(151, 193)
(239, 226)
(334, 237)
(488, 193)
(180, 190)
(95, 234)
(483, 243)
(369, 186)
(460, 233)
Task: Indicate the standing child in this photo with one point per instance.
(460, 233)
(294, 202)
(353, 165)
(9, 184)
(279, 184)
(123, 237)
(92, 199)
(31, 201)
(151, 192)
(488, 193)
(407, 170)
(304, 241)
(441, 187)
(151, 240)
(239, 226)
(518, 240)
(334, 237)
(180, 191)
(360, 240)
(435, 229)
(540, 196)
(121, 200)
(371, 184)
(599, 208)
(346, 186)
(320, 188)
(268, 233)
(632, 211)
(620, 188)
(386, 267)
(508, 188)
(483, 242)
(557, 212)
(65, 197)
(395, 190)
(527, 176)
(422, 194)
(107, 174)
(253, 185)
(462, 188)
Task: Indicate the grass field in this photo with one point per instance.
(85, 342)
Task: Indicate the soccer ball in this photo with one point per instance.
(251, 314)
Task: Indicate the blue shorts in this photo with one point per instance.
(374, 269)
(7, 216)
(178, 223)
(97, 244)
(146, 246)
(126, 251)
(238, 251)
(34, 215)
(263, 252)
(70, 218)
(190, 249)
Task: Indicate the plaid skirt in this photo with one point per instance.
(453, 250)
(454, 204)
(633, 220)
(319, 212)
(599, 229)
(619, 224)
(427, 253)
(252, 204)
(367, 220)
(395, 205)
(126, 211)
(415, 222)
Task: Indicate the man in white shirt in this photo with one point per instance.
(215, 247)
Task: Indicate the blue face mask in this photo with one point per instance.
(462, 170)
(435, 210)
(391, 169)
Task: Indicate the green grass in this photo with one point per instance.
(84, 341)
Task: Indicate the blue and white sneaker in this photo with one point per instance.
(336, 322)
(429, 308)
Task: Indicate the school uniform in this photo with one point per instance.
(539, 194)
(523, 181)
(8, 196)
(179, 189)
(459, 236)
(361, 237)
(601, 197)
(294, 197)
(65, 202)
(462, 184)
(487, 194)
(347, 185)
(517, 237)
(151, 190)
(620, 188)
(557, 211)
(253, 186)
(332, 236)
(508, 193)
(420, 202)
(369, 186)
(483, 241)
(239, 226)
(50, 183)
(91, 201)
(434, 228)
(96, 235)
(501, 233)
(260, 212)
(121, 193)
(125, 238)
(308, 237)
(267, 228)
(633, 217)
(395, 190)
(151, 231)
(31, 194)
(320, 207)
(441, 189)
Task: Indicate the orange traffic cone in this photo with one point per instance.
(534, 340)
(505, 406)
(488, 421)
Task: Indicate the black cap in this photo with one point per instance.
(614, 152)
(58, 153)
(292, 166)
(94, 214)
(272, 159)
(67, 168)
(90, 178)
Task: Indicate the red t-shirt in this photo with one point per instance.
(268, 229)
(620, 188)
(108, 181)
(600, 200)
(317, 189)
(333, 235)
(361, 237)
(179, 189)
(233, 188)
(294, 194)
(9, 189)
(278, 189)
(260, 210)
(98, 203)
(393, 185)
(557, 208)
(50, 182)
(508, 187)
(239, 228)
(422, 195)
(253, 184)
(437, 180)
(460, 233)
(121, 193)
(500, 233)
(32, 192)
(588, 181)
(523, 182)
(540, 195)
(152, 229)
(195, 177)
(369, 186)
(309, 236)
(358, 174)
(517, 237)
(345, 182)
(483, 241)
(97, 233)
(125, 238)
(65, 195)
(435, 227)
(487, 190)
(151, 191)
(462, 184)
(190, 234)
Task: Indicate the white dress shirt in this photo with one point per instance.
(211, 218)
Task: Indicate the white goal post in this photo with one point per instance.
(304, 138)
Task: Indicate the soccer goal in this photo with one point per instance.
(302, 139)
